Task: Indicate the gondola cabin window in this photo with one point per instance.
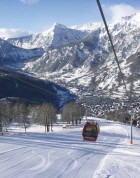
(90, 129)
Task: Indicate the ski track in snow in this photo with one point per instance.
(59, 155)
(123, 132)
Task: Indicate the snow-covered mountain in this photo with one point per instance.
(59, 35)
(89, 27)
(10, 54)
(81, 58)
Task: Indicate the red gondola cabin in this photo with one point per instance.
(90, 131)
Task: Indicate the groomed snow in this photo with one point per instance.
(63, 153)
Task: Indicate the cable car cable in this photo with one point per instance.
(116, 58)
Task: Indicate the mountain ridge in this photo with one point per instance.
(15, 84)
(86, 65)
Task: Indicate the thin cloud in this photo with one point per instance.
(119, 10)
(29, 1)
(12, 33)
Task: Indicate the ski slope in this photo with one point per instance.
(64, 154)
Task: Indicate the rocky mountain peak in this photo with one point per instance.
(81, 58)
(55, 29)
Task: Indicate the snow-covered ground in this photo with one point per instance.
(63, 153)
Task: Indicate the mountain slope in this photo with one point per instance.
(57, 36)
(10, 54)
(18, 85)
(87, 66)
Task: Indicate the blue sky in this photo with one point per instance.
(22, 16)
